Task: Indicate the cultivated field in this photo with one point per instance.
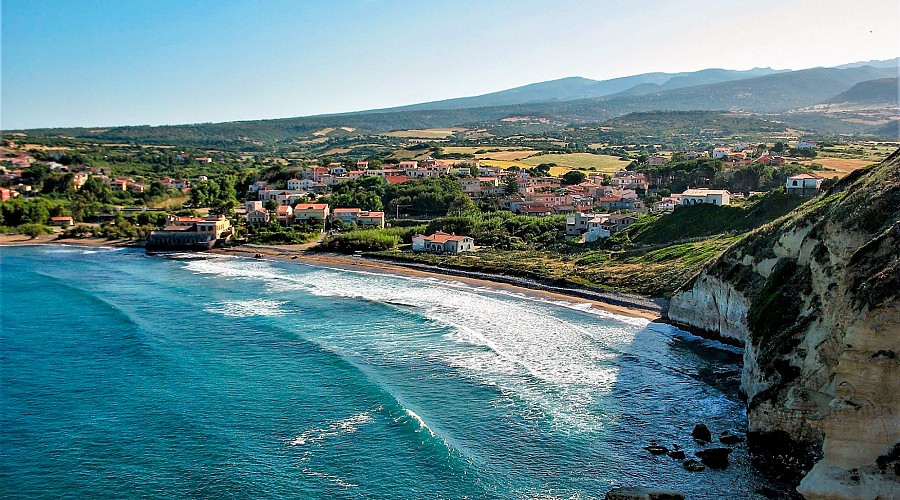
(839, 166)
(580, 161)
(428, 133)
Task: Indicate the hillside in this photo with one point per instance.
(714, 123)
(815, 298)
(708, 220)
(880, 91)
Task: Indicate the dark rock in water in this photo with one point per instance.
(656, 449)
(701, 433)
(769, 492)
(715, 458)
(641, 493)
(677, 454)
(728, 438)
(693, 466)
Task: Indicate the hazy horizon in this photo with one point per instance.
(104, 63)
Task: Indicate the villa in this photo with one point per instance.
(441, 242)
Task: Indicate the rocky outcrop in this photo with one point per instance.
(714, 306)
(641, 493)
(815, 299)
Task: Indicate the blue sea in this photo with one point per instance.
(126, 375)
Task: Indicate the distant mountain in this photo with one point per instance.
(887, 63)
(703, 77)
(568, 89)
(770, 93)
(882, 90)
(546, 106)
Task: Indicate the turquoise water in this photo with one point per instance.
(127, 375)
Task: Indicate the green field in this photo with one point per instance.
(580, 161)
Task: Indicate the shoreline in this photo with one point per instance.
(651, 311)
(54, 239)
(611, 302)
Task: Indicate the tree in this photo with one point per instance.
(511, 185)
(573, 177)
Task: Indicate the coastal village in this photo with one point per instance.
(595, 205)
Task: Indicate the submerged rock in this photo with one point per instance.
(715, 458)
(656, 449)
(677, 454)
(693, 466)
(701, 433)
(731, 439)
(642, 493)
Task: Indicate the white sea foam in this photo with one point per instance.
(334, 479)
(518, 343)
(345, 426)
(422, 425)
(247, 308)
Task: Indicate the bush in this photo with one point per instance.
(33, 230)
(366, 239)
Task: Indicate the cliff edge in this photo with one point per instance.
(813, 296)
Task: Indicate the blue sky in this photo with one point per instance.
(118, 62)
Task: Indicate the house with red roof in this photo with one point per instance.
(441, 242)
(359, 217)
(62, 221)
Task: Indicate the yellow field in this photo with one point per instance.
(428, 133)
(508, 155)
(840, 166)
(504, 164)
(579, 161)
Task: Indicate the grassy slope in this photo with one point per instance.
(706, 220)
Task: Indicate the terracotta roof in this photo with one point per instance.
(442, 237)
(396, 179)
(346, 210)
(804, 176)
(311, 206)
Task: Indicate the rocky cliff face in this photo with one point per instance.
(815, 299)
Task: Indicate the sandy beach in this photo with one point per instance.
(299, 253)
(650, 312)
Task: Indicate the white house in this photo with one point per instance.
(721, 152)
(258, 217)
(294, 184)
(803, 184)
(578, 224)
(254, 205)
(805, 144)
(596, 230)
(702, 195)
